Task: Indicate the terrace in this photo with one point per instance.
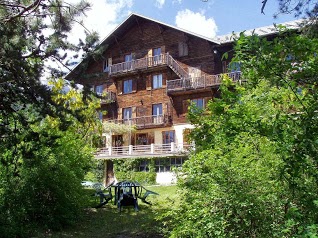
(206, 81)
(140, 151)
(146, 121)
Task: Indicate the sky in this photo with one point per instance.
(209, 18)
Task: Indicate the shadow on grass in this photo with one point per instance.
(109, 222)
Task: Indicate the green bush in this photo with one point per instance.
(145, 178)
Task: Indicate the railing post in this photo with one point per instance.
(172, 146)
(130, 149)
(152, 148)
(110, 150)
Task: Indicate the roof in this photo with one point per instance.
(261, 31)
(130, 21)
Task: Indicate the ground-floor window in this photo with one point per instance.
(166, 164)
(144, 165)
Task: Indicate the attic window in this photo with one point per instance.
(183, 49)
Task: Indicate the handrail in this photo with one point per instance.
(144, 120)
(141, 63)
(175, 66)
(149, 150)
(201, 82)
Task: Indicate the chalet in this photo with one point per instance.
(148, 74)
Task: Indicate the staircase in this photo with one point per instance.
(173, 64)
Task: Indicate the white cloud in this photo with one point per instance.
(176, 1)
(103, 17)
(196, 22)
(160, 3)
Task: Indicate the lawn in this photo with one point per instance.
(109, 222)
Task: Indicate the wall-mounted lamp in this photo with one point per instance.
(215, 51)
(142, 102)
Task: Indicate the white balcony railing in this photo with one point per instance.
(152, 150)
(145, 121)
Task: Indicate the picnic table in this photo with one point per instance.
(125, 193)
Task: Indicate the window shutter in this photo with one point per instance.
(186, 104)
(120, 113)
(149, 82)
(134, 85)
(133, 56)
(120, 87)
(150, 53)
(164, 80)
(110, 61)
(133, 112)
(151, 137)
(206, 100)
(150, 57)
(163, 49)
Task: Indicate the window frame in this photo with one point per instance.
(127, 88)
(167, 135)
(196, 100)
(157, 81)
(127, 111)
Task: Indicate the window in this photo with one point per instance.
(99, 90)
(157, 113)
(157, 81)
(167, 137)
(199, 103)
(144, 165)
(128, 58)
(128, 84)
(100, 115)
(107, 64)
(183, 49)
(127, 113)
(164, 165)
(156, 55)
(128, 64)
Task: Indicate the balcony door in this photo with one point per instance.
(156, 56)
(157, 113)
(128, 60)
(127, 115)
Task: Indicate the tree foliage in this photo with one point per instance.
(254, 172)
(46, 132)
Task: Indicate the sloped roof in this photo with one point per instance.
(133, 17)
(261, 31)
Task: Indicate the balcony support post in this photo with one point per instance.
(152, 148)
(130, 149)
(172, 146)
(110, 150)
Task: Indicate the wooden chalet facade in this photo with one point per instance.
(149, 72)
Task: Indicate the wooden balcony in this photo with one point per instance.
(146, 121)
(203, 82)
(110, 97)
(139, 64)
(139, 151)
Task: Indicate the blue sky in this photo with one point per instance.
(211, 18)
(215, 17)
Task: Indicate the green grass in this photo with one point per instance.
(109, 222)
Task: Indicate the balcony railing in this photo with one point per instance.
(108, 98)
(200, 82)
(138, 64)
(145, 121)
(152, 150)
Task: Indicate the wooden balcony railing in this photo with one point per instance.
(138, 64)
(200, 82)
(152, 150)
(145, 121)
